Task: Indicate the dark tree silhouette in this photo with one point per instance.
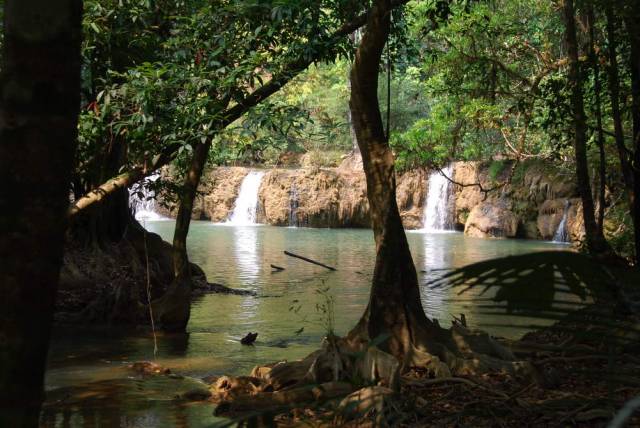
(595, 241)
(40, 99)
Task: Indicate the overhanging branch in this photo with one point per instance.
(230, 115)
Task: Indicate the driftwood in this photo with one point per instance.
(276, 268)
(309, 260)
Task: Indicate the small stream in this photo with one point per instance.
(87, 383)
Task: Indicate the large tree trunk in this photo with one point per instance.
(595, 241)
(394, 304)
(394, 317)
(40, 99)
(633, 28)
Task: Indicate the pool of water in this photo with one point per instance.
(88, 385)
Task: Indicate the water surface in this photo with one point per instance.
(87, 384)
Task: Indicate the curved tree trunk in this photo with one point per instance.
(174, 308)
(394, 305)
(40, 99)
(394, 317)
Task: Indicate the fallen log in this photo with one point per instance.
(309, 260)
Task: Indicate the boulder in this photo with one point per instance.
(490, 220)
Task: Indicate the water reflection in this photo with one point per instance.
(246, 256)
(86, 380)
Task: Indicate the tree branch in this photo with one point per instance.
(228, 116)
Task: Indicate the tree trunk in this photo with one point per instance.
(595, 242)
(394, 303)
(633, 28)
(174, 308)
(40, 101)
(183, 220)
(600, 133)
(614, 89)
(394, 317)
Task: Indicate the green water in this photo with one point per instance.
(87, 383)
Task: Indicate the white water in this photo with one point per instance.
(438, 215)
(562, 234)
(246, 206)
(293, 206)
(142, 200)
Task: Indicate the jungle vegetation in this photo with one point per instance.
(97, 95)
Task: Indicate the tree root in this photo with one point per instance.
(345, 365)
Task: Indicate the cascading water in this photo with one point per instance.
(438, 215)
(142, 200)
(562, 234)
(293, 206)
(246, 206)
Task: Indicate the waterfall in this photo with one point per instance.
(142, 200)
(438, 215)
(562, 234)
(246, 206)
(293, 206)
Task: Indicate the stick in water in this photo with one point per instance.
(277, 268)
(309, 260)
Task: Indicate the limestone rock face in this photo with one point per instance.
(575, 221)
(533, 198)
(331, 197)
(216, 195)
(534, 192)
(489, 220)
(313, 198)
(221, 189)
(411, 194)
(549, 217)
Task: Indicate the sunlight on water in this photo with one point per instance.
(87, 378)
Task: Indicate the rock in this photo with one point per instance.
(148, 368)
(550, 215)
(575, 221)
(227, 386)
(491, 220)
(249, 339)
(529, 230)
(411, 194)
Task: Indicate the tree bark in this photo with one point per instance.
(394, 319)
(173, 309)
(600, 133)
(595, 242)
(40, 99)
(394, 305)
(633, 29)
(614, 89)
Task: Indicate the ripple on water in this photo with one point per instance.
(86, 379)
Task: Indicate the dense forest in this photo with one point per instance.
(108, 102)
